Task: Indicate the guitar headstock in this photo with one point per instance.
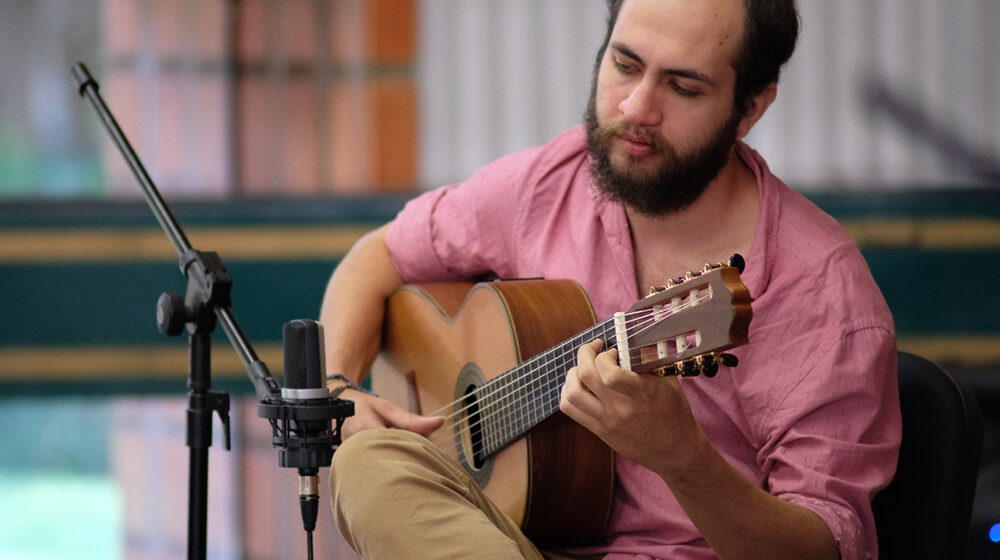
(684, 327)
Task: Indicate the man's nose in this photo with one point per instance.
(641, 107)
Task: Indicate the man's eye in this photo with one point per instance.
(624, 66)
(684, 91)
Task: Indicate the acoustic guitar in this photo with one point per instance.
(488, 358)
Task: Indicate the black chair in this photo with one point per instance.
(925, 511)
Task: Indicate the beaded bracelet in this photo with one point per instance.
(349, 385)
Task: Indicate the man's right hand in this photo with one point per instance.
(371, 412)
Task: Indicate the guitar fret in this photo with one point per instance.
(533, 390)
(526, 395)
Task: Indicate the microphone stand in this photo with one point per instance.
(206, 302)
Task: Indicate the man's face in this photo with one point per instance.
(661, 121)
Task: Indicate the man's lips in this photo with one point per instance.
(636, 146)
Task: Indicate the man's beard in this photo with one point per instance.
(675, 185)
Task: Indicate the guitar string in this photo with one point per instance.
(549, 395)
(549, 388)
(633, 318)
(505, 381)
(474, 428)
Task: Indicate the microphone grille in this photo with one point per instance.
(303, 347)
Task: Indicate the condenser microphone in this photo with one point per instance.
(302, 417)
(305, 390)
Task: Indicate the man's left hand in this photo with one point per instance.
(644, 417)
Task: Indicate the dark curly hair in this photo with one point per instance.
(772, 27)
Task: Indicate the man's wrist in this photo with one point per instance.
(347, 384)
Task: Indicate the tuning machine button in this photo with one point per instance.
(707, 364)
(729, 360)
(686, 368)
(736, 261)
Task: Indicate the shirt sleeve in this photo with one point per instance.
(463, 231)
(834, 440)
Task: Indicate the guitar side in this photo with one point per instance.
(438, 335)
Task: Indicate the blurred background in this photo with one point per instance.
(281, 131)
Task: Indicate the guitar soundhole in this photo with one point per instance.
(475, 423)
(469, 431)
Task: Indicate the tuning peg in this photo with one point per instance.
(707, 365)
(737, 262)
(653, 290)
(679, 280)
(709, 369)
(692, 274)
(730, 360)
(687, 368)
(662, 371)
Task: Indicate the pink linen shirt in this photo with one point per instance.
(811, 414)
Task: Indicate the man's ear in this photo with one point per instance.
(756, 107)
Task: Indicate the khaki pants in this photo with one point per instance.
(395, 495)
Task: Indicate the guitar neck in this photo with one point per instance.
(516, 401)
(683, 326)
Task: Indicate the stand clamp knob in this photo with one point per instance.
(171, 314)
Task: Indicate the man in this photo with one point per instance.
(777, 458)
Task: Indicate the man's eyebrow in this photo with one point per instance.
(690, 74)
(626, 51)
(681, 72)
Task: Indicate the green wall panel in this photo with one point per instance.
(115, 303)
(936, 291)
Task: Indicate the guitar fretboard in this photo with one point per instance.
(517, 400)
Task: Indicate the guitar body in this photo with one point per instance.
(442, 341)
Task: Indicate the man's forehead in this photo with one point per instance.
(707, 16)
(706, 28)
